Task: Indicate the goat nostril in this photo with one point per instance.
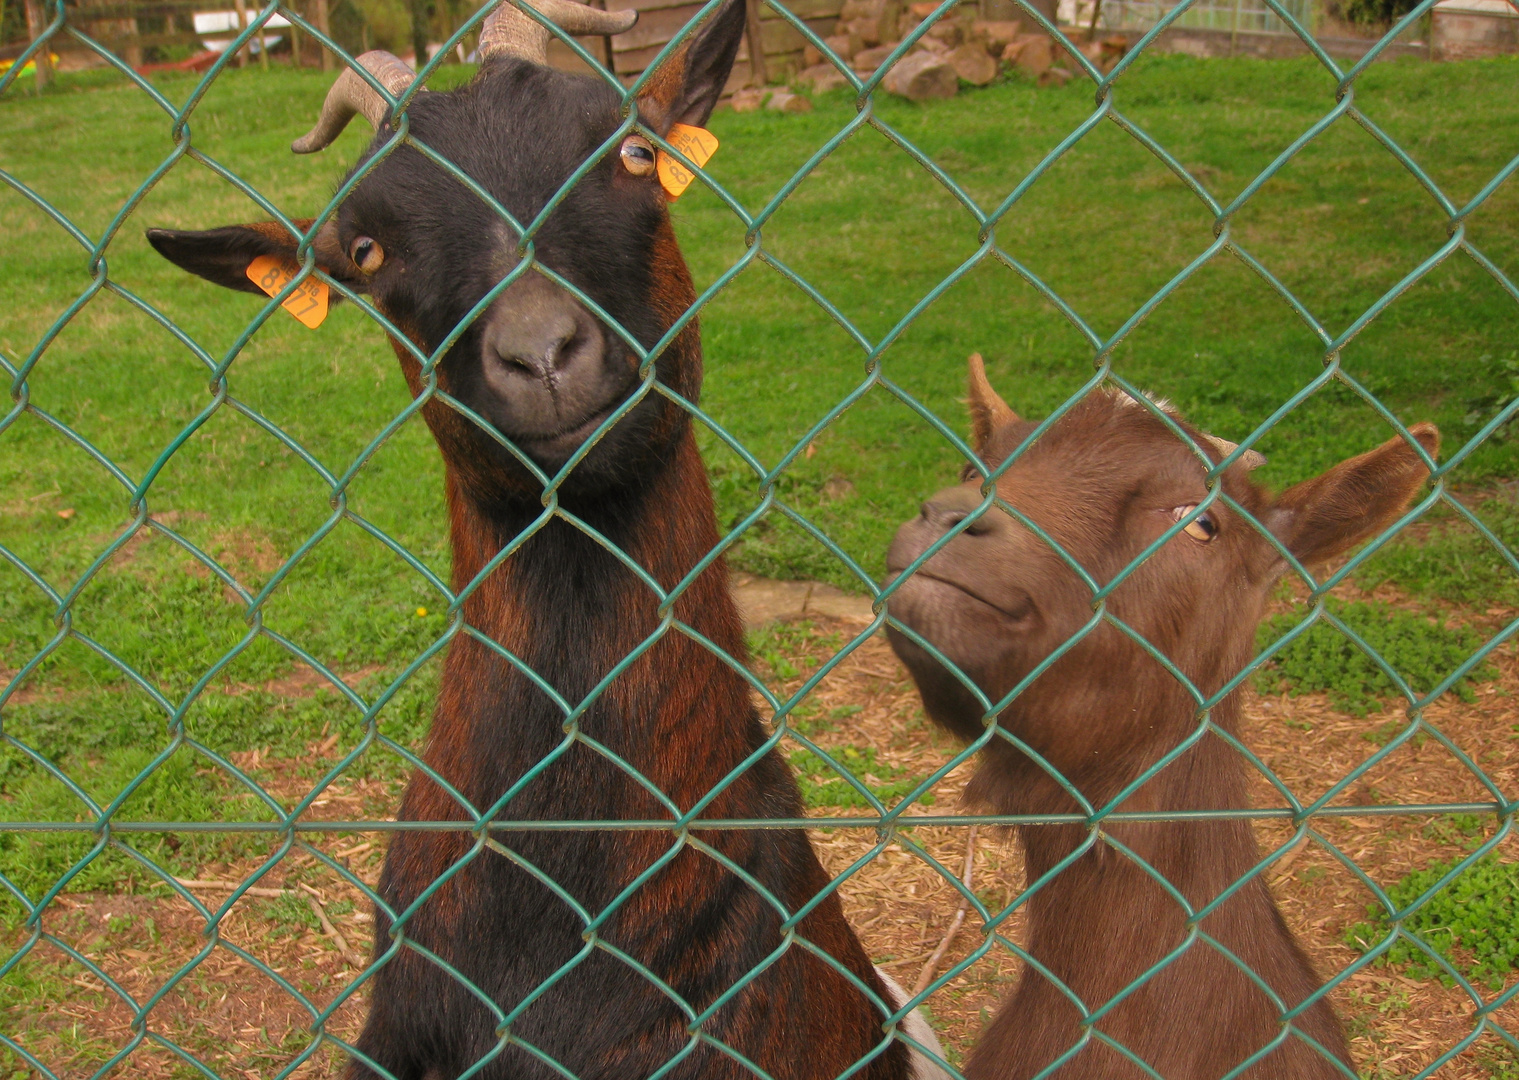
(942, 517)
(545, 361)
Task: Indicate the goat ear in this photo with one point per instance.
(221, 256)
(988, 412)
(1352, 502)
(686, 87)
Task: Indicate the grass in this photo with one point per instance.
(1107, 227)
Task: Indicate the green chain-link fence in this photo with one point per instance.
(290, 820)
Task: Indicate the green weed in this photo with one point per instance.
(1472, 922)
(781, 646)
(1501, 1061)
(1423, 651)
(822, 785)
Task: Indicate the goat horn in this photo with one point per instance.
(351, 95)
(510, 32)
(1250, 459)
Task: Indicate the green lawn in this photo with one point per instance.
(1107, 227)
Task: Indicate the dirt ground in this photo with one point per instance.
(313, 930)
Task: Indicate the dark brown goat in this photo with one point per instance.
(545, 371)
(1105, 481)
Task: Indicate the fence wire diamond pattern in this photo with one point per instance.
(291, 825)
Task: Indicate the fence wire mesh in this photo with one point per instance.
(118, 836)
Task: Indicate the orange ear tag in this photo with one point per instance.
(309, 301)
(696, 143)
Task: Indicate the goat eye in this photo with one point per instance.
(1202, 527)
(366, 254)
(637, 155)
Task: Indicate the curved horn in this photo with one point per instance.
(510, 32)
(351, 94)
(1250, 459)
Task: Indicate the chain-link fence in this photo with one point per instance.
(1238, 16)
(177, 756)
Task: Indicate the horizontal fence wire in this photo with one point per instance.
(100, 817)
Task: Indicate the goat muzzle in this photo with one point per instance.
(351, 95)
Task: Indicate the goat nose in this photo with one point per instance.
(946, 513)
(539, 342)
(941, 517)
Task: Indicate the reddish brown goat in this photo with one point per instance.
(546, 925)
(1105, 481)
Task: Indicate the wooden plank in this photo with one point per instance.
(655, 28)
(561, 56)
(778, 36)
(144, 41)
(646, 5)
(158, 9)
(805, 9)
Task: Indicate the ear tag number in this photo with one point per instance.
(308, 302)
(696, 143)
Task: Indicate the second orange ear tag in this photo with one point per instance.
(308, 302)
(696, 143)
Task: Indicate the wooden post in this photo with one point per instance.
(756, 42)
(295, 39)
(319, 16)
(132, 52)
(421, 24)
(242, 24)
(607, 56)
(36, 23)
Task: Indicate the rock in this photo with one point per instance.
(978, 38)
(1101, 54)
(785, 101)
(762, 601)
(922, 75)
(750, 98)
(844, 45)
(998, 32)
(923, 9)
(928, 44)
(972, 64)
(1055, 76)
(872, 21)
(947, 32)
(1034, 56)
(1114, 49)
(822, 78)
(867, 30)
(867, 60)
